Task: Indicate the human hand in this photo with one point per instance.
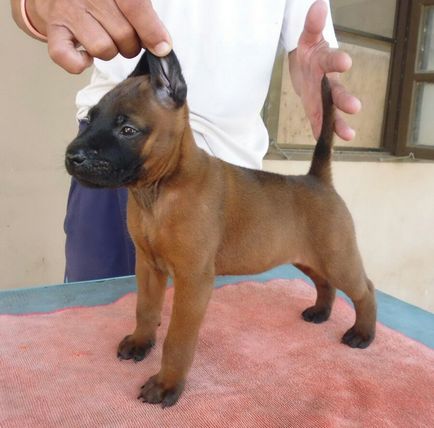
(309, 62)
(103, 28)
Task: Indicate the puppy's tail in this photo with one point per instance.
(321, 161)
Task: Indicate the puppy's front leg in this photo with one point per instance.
(151, 286)
(192, 294)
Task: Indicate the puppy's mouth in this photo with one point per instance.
(92, 171)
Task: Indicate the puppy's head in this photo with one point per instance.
(132, 133)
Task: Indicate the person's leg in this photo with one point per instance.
(97, 241)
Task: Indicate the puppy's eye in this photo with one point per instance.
(83, 123)
(128, 131)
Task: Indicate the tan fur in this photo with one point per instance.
(192, 217)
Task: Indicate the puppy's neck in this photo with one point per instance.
(185, 163)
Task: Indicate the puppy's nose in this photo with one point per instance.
(76, 158)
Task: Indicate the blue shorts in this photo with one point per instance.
(97, 241)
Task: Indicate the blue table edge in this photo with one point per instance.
(408, 319)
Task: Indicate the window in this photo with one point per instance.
(365, 29)
(392, 46)
(410, 122)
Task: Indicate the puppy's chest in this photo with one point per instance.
(154, 230)
(147, 236)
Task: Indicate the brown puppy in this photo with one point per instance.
(192, 216)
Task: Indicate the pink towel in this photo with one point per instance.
(258, 364)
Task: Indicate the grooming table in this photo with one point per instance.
(258, 364)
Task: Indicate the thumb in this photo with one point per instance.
(314, 24)
(144, 19)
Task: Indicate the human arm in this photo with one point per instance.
(103, 28)
(307, 64)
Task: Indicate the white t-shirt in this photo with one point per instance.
(226, 49)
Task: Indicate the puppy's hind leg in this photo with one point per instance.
(320, 312)
(363, 331)
(360, 290)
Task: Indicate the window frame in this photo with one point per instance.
(402, 76)
(403, 79)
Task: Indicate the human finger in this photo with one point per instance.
(62, 50)
(148, 26)
(343, 129)
(314, 24)
(118, 28)
(343, 99)
(331, 60)
(94, 38)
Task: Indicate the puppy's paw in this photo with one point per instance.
(154, 392)
(130, 349)
(356, 339)
(315, 315)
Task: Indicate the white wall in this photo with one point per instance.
(393, 208)
(36, 121)
(393, 204)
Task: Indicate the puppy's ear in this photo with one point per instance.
(142, 67)
(166, 77)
